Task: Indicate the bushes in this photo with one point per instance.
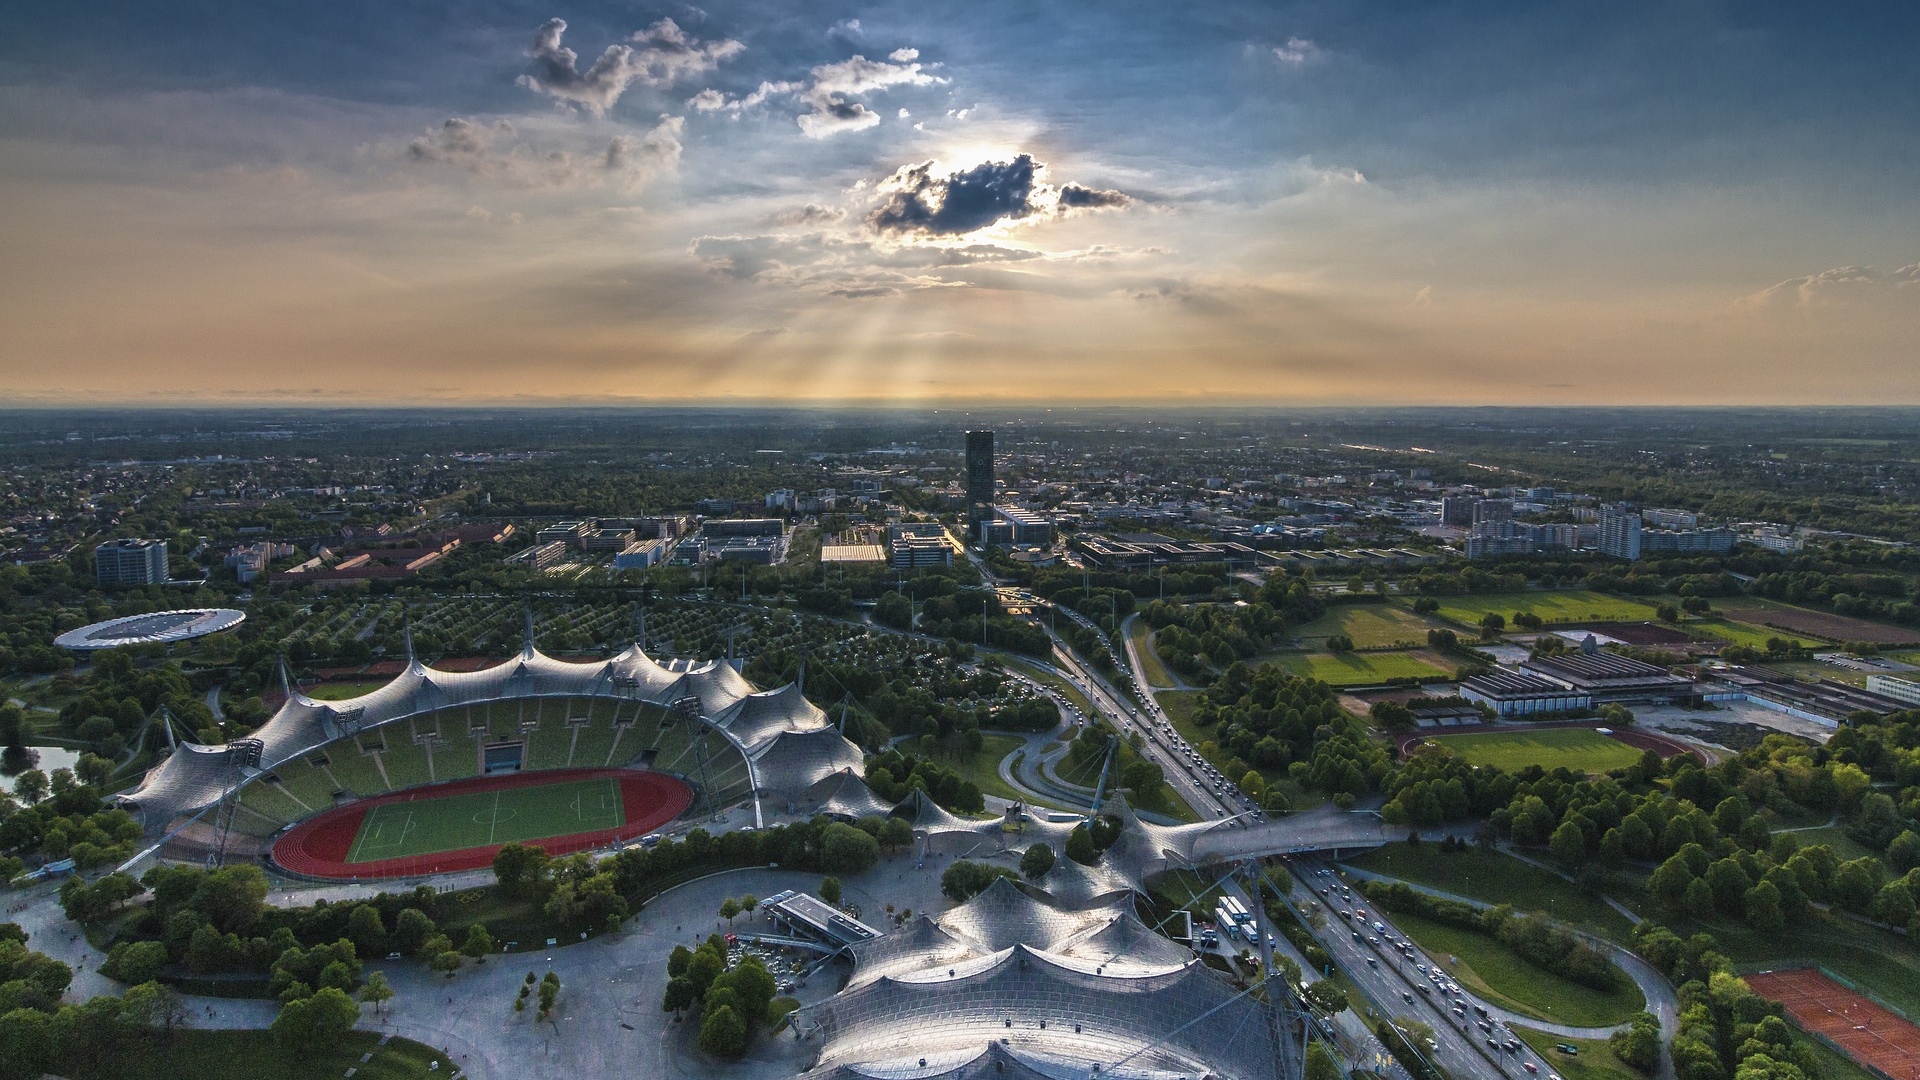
(1639, 1044)
(963, 880)
(733, 1001)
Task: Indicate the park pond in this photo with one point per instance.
(44, 758)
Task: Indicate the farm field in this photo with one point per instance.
(1496, 973)
(1579, 749)
(1578, 605)
(1779, 618)
(1495, 878)
(1359, 669)
(400, 830)
(1371, 626)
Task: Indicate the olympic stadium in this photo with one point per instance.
(572, 755)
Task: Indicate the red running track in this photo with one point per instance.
(318, 847)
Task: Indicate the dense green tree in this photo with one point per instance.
(847, 850)
(1036, 862)
(723, 1033)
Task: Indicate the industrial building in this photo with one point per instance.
(1609, 677)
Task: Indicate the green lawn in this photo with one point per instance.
(452, 822)
(204, 1055)
(341, 691)
(1738, 633)
(982, 766)
(1357, 669)
(1371, 626)
(1594, 1062)
(1494, 972)
(1496, 878)
(1579, 749)
(1150, 666)
(1578, 605)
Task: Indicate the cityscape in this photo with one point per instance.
(1012, 541)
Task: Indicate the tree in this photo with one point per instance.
(411, 929)
(30, 786)
(1492, 623)
(1036, 862)
(306, 1023)
(1339, 643)
(1763, 909)
(1080, 847)
(893, 609)
(1326, 997)
(369, 934)
(26, 1044)
(479, 943)
(447, 961)
(680, 995)
(963, 880)
(521, 869)
(830, 890)
(723, 1033)
(135, 962)
(847, 850)
(232, 897)
(549, 993)
(1639, 1044)
(1320, 1063)
(377, 992)
(729, 909)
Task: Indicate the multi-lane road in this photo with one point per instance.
(1384, 964)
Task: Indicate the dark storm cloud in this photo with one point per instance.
(1075, 197)
(919, 203)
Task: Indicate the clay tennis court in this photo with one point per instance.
(1871, 1035)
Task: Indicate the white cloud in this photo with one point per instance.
(834, 84)
(660, 55)
(1297, 50)
(1839, 286)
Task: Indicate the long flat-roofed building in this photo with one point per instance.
(1609, 677)
(1520, 694)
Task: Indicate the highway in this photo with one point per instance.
(1392, 979)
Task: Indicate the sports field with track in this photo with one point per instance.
(479, 818)
(461, 825)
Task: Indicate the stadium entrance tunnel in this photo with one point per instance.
(461, 825)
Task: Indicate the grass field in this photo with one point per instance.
(983, 766)
(1371, 626)
(1495, 878)
(341, 691)
(1495, 973)
(200, 1055)
(1594, 1062)
(401, 830)
(1579, 749)
(1739, 633)
(1579, 605)
(1357, 669)
(1150, 666)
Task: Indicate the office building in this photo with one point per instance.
(1902, 690)
(979, 481)
(1665, 540)
(1456, 510)
(1028, 527)
(1620, 531)
(131, 562)
(570, 533)
(912, 552)
(1492, 511)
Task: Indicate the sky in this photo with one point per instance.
(913, 203)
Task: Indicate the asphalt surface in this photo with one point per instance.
(1396, 986)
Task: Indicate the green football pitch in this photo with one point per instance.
(400, 830)
(1579, 749)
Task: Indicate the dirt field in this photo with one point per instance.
(1821, 624)
(1641, 633)
(1868, 1033)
